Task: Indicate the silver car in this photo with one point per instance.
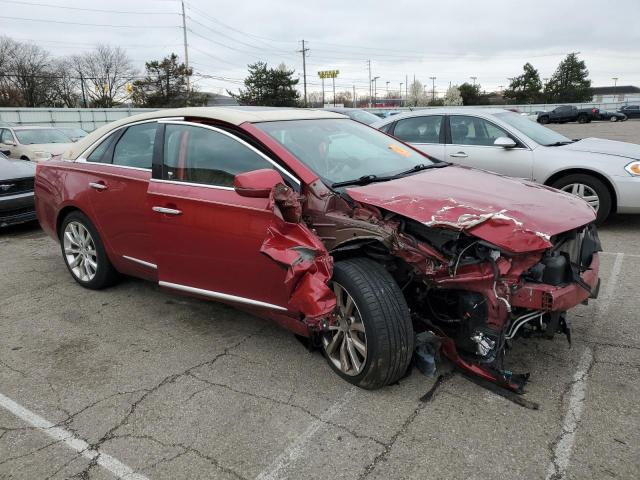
(605, 173)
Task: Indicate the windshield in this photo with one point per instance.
(533, 130)
(340, 150)
(40, 135)
(73, 132)
(361, 116)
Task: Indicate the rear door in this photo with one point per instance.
(117, 173)
(207, 238)
(470, 142)
(425, 132)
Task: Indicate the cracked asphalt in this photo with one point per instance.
(177, 388)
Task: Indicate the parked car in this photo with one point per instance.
(631, 111)
(356, 114)
(605, 173)
(74, 134)
(567, 113)
(611, 116)
(33, 143)
(16, 191)
(333, 229)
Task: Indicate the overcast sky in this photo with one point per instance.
(451, 40)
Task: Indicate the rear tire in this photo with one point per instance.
(614, 119)
(84, 254)
(543, 120)
(383, 322)
(582, 119)
(596, 185)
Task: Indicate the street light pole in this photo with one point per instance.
(615, 85)
(401, 93)
(433, 91)
(375, 88)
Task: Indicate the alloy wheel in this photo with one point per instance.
(585, 192)
(345, 344)
(80, 251)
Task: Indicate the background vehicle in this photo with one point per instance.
(611, 116)
(631, 111)
(568, 113)
(356, 114)
(74, 134)
(33, 143)
(16, 191)
(605, 173)
(315, 221)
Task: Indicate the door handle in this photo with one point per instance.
(97, 186)
(459, 155)
(167, 211)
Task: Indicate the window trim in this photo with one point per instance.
(441, 134)
(449, 140)
(82, 158)
(160, 159)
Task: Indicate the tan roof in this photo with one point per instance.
(232, 114)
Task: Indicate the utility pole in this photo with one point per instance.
(401, 93)
(186, 49)
(304, 70)
(375, 93)
(84, 98)
(433, 92)
(353, 102)
(369, 63)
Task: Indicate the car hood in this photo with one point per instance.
(515, 215)
(11, 168)
(607, 147)
(52, 148)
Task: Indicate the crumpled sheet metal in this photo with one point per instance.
(310, 267)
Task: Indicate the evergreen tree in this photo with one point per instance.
(470, 94)
(525, 88)
(570, 82)
(266, 86)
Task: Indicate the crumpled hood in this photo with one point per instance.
(608, 147)
(515, 215)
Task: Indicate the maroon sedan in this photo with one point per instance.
(374, 251)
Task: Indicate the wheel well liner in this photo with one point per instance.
(571, 171)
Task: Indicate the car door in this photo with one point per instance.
(207, 238)
(425, 132)
(470, 142)
(117, 172)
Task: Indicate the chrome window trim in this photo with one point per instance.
(493, 122)
(239, 140)
(117, 166)
(141, 262)
(82, 158)
(191, 184)
(220, 296)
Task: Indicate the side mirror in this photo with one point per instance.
(505, 142)
(256, 183)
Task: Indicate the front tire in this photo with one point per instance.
(543, 120)
(582, 119)
(371, 343)
(614, 119)
(589, 188)
(84, 254)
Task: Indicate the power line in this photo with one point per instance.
(89, 24)
(34, 4)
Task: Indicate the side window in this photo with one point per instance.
(387, 128)
(5, 135)
(419, 129)
(474, 131)
(98, 154)
(135, 147)
(199, 155)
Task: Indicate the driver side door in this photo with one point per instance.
(470, 142)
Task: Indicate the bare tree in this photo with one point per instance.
(66, 88)
(106, 72)
(27, 70)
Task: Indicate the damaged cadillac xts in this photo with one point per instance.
(336, 231)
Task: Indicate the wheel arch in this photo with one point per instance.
(585, 171)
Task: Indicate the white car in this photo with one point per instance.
(605, 173)
(33, 143)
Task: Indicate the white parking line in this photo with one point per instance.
(119, 469)
(295, 449)
(562, 451)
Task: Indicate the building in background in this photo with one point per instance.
(620, 93)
